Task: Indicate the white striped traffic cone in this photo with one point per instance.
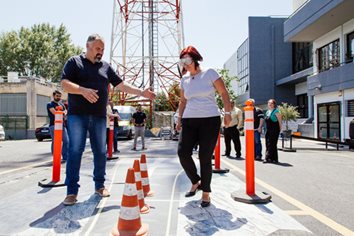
(129, 222)
(145, 177)
(143, 207)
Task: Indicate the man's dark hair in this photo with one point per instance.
(56, 92)
(94, 37)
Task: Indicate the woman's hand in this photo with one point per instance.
(227, 120)
(178, 125)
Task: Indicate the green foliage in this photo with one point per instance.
(224, 73)
(41, 50)
(288, 113)
(170, 103)
(161, 102)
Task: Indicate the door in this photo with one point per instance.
(328, 125)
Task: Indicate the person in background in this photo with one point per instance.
(51, 108)
(258, 117)
(231, 132)
(199, 120)
(111, 115)
(139, 121)
(273, 121)
(116, 126)
(86, 78)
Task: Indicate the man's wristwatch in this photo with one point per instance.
(227, 112)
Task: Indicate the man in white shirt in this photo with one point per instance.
(231, 132)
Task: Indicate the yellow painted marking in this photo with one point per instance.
(317, 215)
(297, 213)
(25, 167)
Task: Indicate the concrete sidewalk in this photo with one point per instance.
(36, 211)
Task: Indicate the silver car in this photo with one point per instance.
(2, 133)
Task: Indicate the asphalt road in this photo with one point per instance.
(312, 185)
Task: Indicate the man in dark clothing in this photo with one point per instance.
(139, 121)
(51, 108)
(258, 117)
(115, 133)
(86, 78)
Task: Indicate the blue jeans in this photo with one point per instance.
(257, 144)
(65, 146)
(78, 125)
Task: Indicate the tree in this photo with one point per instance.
(41, 50)
(288, 113)
(227, 80)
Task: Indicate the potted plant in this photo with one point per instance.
(288, 113)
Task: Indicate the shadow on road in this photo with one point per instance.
(66, 219)
(209, 220)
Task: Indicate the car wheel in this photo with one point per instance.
(39, 139)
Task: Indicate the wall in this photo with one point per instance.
(269, 60)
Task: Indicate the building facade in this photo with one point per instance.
(23, 105)
(327, 25)
(261, 60)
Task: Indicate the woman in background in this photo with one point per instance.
(273, 121)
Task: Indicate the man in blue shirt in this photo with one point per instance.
(86, 78)
(51, 108)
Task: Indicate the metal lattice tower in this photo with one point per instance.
(147, 37)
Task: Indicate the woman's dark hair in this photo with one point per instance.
(273, 101)
(193, 53)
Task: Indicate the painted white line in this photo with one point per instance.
(171, 204)
(317, 215)
(102, 203)
(26, 167)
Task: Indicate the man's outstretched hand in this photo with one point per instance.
(148, 94)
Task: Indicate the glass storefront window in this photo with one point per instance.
(328, 123)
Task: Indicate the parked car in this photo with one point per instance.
(2, 133)
(126, 128)
(43, 133)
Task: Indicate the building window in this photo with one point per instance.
(13, 104)
(302, 105)
(329, 56)
(350, 48)
(42, 105)
(350, 108)
(302, 56)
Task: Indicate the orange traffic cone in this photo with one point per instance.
(129, 222)
(145, 177)
(143, 207)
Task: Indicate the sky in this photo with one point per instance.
(215, 28)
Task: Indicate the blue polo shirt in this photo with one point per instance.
(53, 104)
(98, 76)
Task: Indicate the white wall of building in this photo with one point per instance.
(338, 33)
(342, 97)
(338, 96)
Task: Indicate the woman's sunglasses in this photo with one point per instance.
(186, 61)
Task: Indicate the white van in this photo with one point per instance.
(126, 128)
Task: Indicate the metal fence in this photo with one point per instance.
(15, 126)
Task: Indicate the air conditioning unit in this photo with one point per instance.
(12, 77)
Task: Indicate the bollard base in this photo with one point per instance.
(112, 158)
(287, 149)
(44, 183)
(221, 171)
(258, 198)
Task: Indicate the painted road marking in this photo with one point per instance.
(317, 215)
(102, 203)
(171, 203)
(297, 213)
(26, 167)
